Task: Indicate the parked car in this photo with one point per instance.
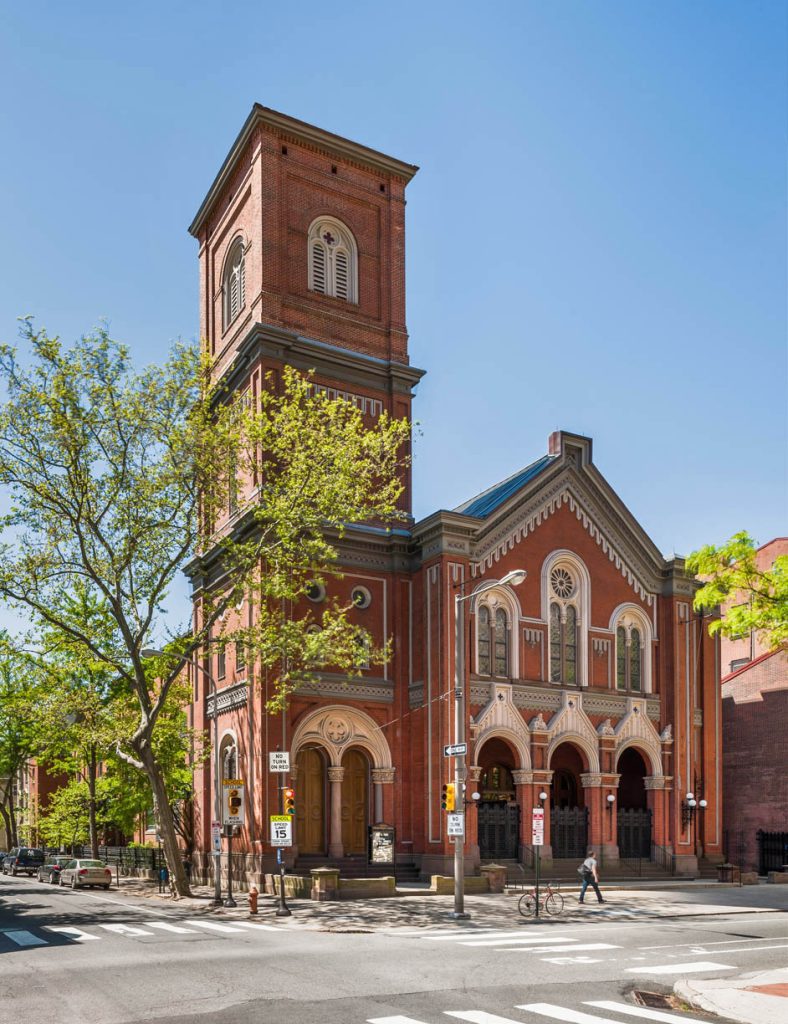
(3, 855)
(79, 873)
(50, 871)
(21, 859)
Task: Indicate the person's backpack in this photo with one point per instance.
(584, 872)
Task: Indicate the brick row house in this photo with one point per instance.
(593, 681)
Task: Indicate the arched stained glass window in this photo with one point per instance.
(555, 643)
(483, 641)
(621, 658)
(570, 645)
(501, 643)
(635, 656)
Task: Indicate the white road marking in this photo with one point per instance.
(642, 1011)
(257, 927)
(743, 949)
(690, 968)
(565, 1014)
(482, 933)
(723, 942)
(564, 949)
(571, 960)
(543, 939)
(480, 1017)
(124, 929)
(398, 1019)
(72, 933)
(25, 938)
(165, 926)
(214, 926)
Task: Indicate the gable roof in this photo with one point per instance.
(482, 505)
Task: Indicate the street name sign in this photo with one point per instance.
(455, 824)
(233, 801)
(537, 827)
(455, 750)
(278, 760)
(281, 830)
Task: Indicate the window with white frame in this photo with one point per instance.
(233, 284)
(629, 658)
(228, 758)
(332, 260)
(564, 592)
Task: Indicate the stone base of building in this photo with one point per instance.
(685, 864)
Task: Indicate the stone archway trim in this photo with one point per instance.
(500, 718)
(336, 728)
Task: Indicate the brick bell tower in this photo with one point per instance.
(302, 262)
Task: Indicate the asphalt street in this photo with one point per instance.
(108, 958)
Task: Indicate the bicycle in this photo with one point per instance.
(550, 901)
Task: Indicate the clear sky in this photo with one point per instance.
(596, 238)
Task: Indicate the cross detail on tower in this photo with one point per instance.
(328, 238)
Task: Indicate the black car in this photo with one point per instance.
(50, 871)
(25, 859)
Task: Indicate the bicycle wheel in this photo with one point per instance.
(527, 904)
(554, 903)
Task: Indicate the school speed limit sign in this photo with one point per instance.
(281, 830)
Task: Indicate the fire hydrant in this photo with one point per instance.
(253, 894)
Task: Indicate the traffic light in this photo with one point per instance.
(448, 801)
(234, 802)
(289, 801)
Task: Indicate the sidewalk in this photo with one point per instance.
(756, 998)
(417, 909)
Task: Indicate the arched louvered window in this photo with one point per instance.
(501, 643)
(483, 641)
(563, 644)
(333, 260)
(233, 284)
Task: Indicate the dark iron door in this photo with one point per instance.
(634, 833)
(569, 831)
(772, 851)
(499, 830)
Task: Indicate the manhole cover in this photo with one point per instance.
(656, 1000)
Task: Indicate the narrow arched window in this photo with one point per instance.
(483, 641)
(563, 644)
(229, 758)
(555, 643)
(621, 658)
(332, 260)
(570, 645)
(635, 655)
(233, 284)
(501, 643)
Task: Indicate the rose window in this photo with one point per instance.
(562, 583)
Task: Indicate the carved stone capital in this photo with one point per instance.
(522, 777)
(336, 774)
(385, 776)
(474, 772)
(655, 781)
(590, 779)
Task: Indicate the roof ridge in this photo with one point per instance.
(522, 475)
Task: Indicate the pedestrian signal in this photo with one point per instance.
(289, 801)
(448, 799)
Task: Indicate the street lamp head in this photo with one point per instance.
(690, 796)
(151, 652)
(543, 796)
(514, 578)
(476, 796)
(693, 802)
(611, 798)
(702, 804)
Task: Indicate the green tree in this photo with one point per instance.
(756, 598)
(19, 730)
(117, 476)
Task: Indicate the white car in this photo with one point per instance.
(78, 873)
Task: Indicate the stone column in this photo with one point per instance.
(523, 780)
(382, 810)
(593, 799)
(658, 802)
(335, 847)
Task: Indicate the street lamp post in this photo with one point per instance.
(515, 578)
(149, 652)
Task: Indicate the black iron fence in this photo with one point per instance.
(772, 851)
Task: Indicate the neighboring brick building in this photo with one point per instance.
(755, 724)
(593, 679)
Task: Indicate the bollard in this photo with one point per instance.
(253, 894)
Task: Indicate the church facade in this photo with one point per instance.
(591, 688)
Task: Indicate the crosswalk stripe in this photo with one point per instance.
(701, 965)
(642, 1011)
(258, 927)
(483, 933)
(565, 1014)
(563, 949)
(480, 1017)
(397, 1019)
(543, 939)
(174, 928)
(72, 933)
(214, 926)
(124, 929)
(25, 938)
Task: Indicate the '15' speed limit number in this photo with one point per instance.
(281, 830)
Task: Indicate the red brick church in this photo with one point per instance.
(592, 682)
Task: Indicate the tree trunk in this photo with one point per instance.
(93, 831)
(179, 883)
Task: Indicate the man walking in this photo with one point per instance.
(588, 871)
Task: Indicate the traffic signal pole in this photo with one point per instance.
(282, 910)
(459, 762)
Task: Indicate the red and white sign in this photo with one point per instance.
(537, 827)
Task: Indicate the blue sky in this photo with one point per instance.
(596, 238)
